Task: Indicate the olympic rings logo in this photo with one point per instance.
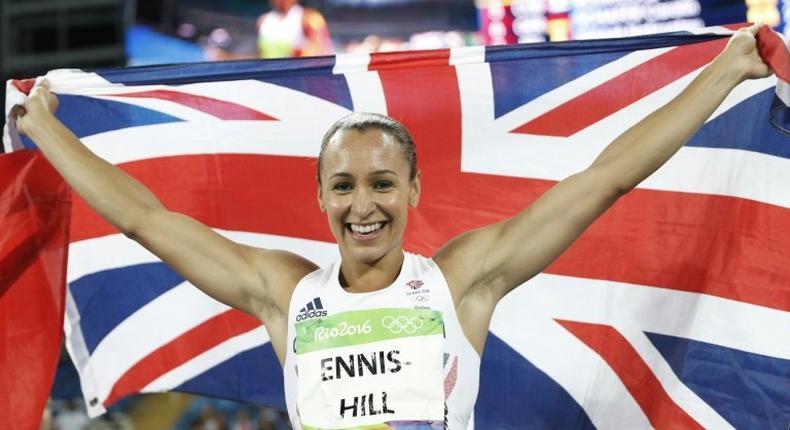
(402, 324)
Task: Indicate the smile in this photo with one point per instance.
(366, 230)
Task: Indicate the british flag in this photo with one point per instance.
(671, 311)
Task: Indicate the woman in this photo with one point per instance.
(384, 337)
(291, 30)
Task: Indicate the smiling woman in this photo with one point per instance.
(367, 181)
(385, 338)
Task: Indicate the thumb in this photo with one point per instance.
(754, 28)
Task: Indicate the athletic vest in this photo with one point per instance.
(394, 357)
(281, 35)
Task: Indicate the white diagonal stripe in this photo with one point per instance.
(113, 251)
(183, 307)
(208, 359)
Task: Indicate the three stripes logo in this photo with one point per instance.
(313, 309)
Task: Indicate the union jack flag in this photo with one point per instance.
(671, 311)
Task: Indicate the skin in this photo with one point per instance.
(365, 179)
(282, 6)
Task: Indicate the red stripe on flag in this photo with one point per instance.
(185, 347)
(218, 108)
(408, 60)
(623, 90)
(23, 85)
(736, 25)
(639, 380)
(267, 194)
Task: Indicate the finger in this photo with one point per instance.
(53, 103)
(44, 87)
(42, 82)
(754, 28)
(17, 111)
(41, 87)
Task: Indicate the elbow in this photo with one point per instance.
(611, 192)
(129, 233)
(620, 189)
(133, 224)
(608, 186)
(130, 229)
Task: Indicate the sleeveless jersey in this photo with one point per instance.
(281, 35)
(393, 358)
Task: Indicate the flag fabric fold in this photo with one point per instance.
(34, 221)
(673, 310)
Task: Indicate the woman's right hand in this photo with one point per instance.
(40, 104)
(742, 57)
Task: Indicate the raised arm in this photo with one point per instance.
(483, 265)
(256, 281)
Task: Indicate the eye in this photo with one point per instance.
(382, 185)
(342, 187)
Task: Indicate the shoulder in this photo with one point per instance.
(280, 272)
(313, 18)
(425, 267)
(284, 264)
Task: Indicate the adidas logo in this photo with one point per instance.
(313, 309)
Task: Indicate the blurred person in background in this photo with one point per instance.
(71, 417)
(269, 419)
(242, 421)
(46, 418)
(291, 30)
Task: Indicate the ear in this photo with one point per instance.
(415, 190)
(320, 197)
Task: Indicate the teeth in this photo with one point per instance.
(365, 229)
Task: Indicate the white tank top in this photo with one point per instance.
(396, 356)
(281, 36)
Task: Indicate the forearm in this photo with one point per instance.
(641, 150)
(116, 196)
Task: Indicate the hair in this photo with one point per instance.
(363, 121)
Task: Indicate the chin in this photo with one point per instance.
(367, 255)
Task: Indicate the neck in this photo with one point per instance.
(360, 277)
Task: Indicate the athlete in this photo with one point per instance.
(385, 339)
(291, 30)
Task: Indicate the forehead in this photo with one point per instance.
(352, 151)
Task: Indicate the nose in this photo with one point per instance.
(363, 203)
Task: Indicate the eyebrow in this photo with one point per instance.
(374, 173)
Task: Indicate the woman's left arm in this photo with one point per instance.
(489, 262)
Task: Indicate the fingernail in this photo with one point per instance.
(17, 110)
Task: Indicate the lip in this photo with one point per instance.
(367, 237)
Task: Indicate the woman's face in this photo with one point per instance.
(366, 193)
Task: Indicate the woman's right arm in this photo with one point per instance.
(256, 281)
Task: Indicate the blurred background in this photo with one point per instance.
(41, 35)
